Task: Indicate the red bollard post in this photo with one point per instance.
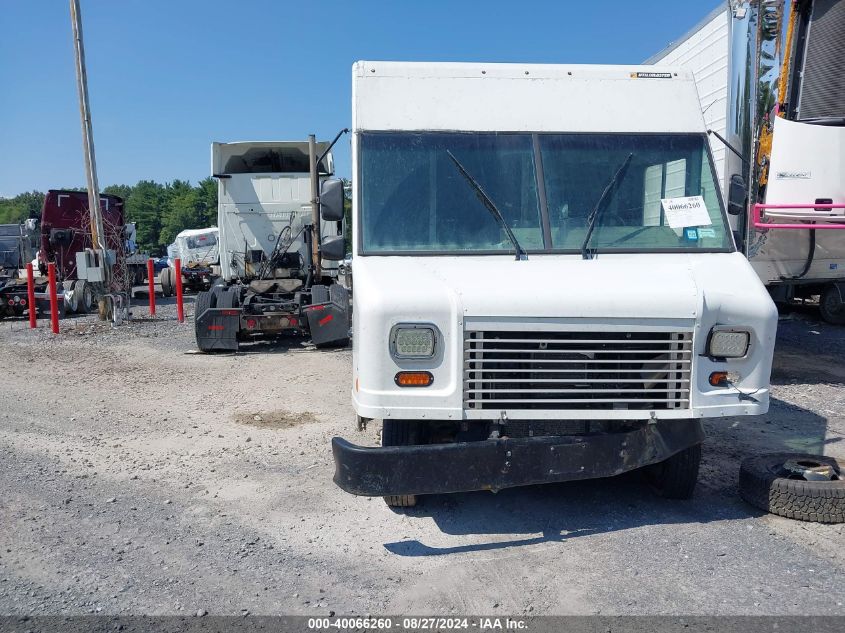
(30, 293)
(180, 308)
(151, 280)
(54, 299)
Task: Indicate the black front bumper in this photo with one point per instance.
(505, 463)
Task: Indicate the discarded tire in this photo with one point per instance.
(795, 485)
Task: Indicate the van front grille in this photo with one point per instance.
(577, 370)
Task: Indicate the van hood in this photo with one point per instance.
(610, 286)
(691, 291)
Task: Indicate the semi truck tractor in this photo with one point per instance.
(66, 241)
(280, 238)
(546, 284)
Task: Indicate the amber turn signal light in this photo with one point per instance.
(719, 379)
(413, 378)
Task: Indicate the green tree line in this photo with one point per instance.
(160, 211)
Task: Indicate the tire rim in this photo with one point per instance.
(810, 469)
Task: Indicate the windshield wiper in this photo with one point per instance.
(600, 205)
(491, 207)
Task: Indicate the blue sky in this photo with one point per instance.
(167, 77)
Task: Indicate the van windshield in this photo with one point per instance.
(414, 200)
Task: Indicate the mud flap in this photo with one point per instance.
(217, 320)
(328, 320)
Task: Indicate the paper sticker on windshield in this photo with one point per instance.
(683, 212)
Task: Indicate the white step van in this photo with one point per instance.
(546, 285)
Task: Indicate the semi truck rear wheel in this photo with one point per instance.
(400, 433)
(84, 293)
(165, 278)
(71, 298)
(675, 478)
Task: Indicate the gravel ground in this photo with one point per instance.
(140, 477)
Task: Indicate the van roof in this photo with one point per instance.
(481, 97)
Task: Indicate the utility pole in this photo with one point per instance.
(315, 206)
(98, 238)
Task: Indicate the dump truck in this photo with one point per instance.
(198, 253)
(773, 94)
(546, 284)
(280, 223)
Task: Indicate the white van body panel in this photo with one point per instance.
(521, 97)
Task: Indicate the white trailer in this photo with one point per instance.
(781, 107)
(546, 284)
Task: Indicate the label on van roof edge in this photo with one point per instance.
(651, 75)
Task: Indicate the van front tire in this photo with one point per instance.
(400, 433)
(675, 478)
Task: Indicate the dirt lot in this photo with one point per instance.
(140, 477)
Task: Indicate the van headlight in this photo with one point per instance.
(413, 340)
(728, 342)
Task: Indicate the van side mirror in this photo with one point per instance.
(331, 200)
(737, 194)
(333, 249)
